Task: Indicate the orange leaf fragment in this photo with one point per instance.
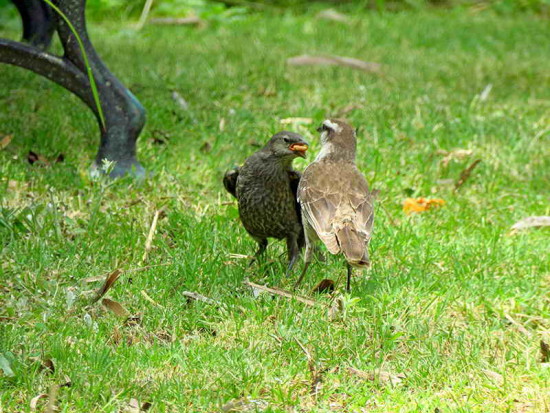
(412, 205)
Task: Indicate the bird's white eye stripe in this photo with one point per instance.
(331, 125)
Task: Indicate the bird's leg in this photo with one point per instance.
(293, 253)
(262, 245)
(348, 282)
(307, 261)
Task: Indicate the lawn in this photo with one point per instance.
(449, 317)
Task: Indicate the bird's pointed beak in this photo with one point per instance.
(299, 149)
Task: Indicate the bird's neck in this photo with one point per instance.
(330, 151)
(277, 162)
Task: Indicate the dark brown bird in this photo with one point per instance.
(337, 206)
(265, 188)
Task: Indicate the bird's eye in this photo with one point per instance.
(286, 140)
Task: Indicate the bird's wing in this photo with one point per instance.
(330, 196)
(295, 177)
(319, 202)
(230, 181)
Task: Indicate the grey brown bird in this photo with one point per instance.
(265, 187)
(337, 206)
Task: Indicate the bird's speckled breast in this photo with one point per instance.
(266, 202)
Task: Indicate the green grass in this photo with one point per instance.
(436, 304)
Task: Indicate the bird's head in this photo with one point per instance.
(287, 145)
(338, 138)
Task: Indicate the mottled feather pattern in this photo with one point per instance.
(267, 204)
(336, 202)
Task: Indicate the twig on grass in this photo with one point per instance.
(465, 174)
(282, 293)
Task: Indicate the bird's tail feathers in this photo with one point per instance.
(353, 245)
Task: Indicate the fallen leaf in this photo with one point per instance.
(454, 155)
(333, 15)
(33, 158)
(336, 309)
(67, 381)
(531, 222)
(421, 204)
(325, 286)
(544, 352)
(205, 147)
(180, 101)
(6, 140)
(385, 377)
(132, 407)
(306, 60)
(48, 365)
(35, 400)
(494, 376)
(109, 281)
(291, 121)
(115, 307)
(5, 366)
(465, 174)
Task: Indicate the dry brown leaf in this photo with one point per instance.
(336, 309)
(115, 307)
(307, 60)
(35, 400)
(48, 365)
(325, 286)
(465, 174)
(411, 205)
(33, 158)
(385, 377)
(67, 381)
(109, 281)
(333, 15)
(544, 352)
(5, 141)
(456, 155)
(531, 222)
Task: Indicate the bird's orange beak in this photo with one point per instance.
(299, 149)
